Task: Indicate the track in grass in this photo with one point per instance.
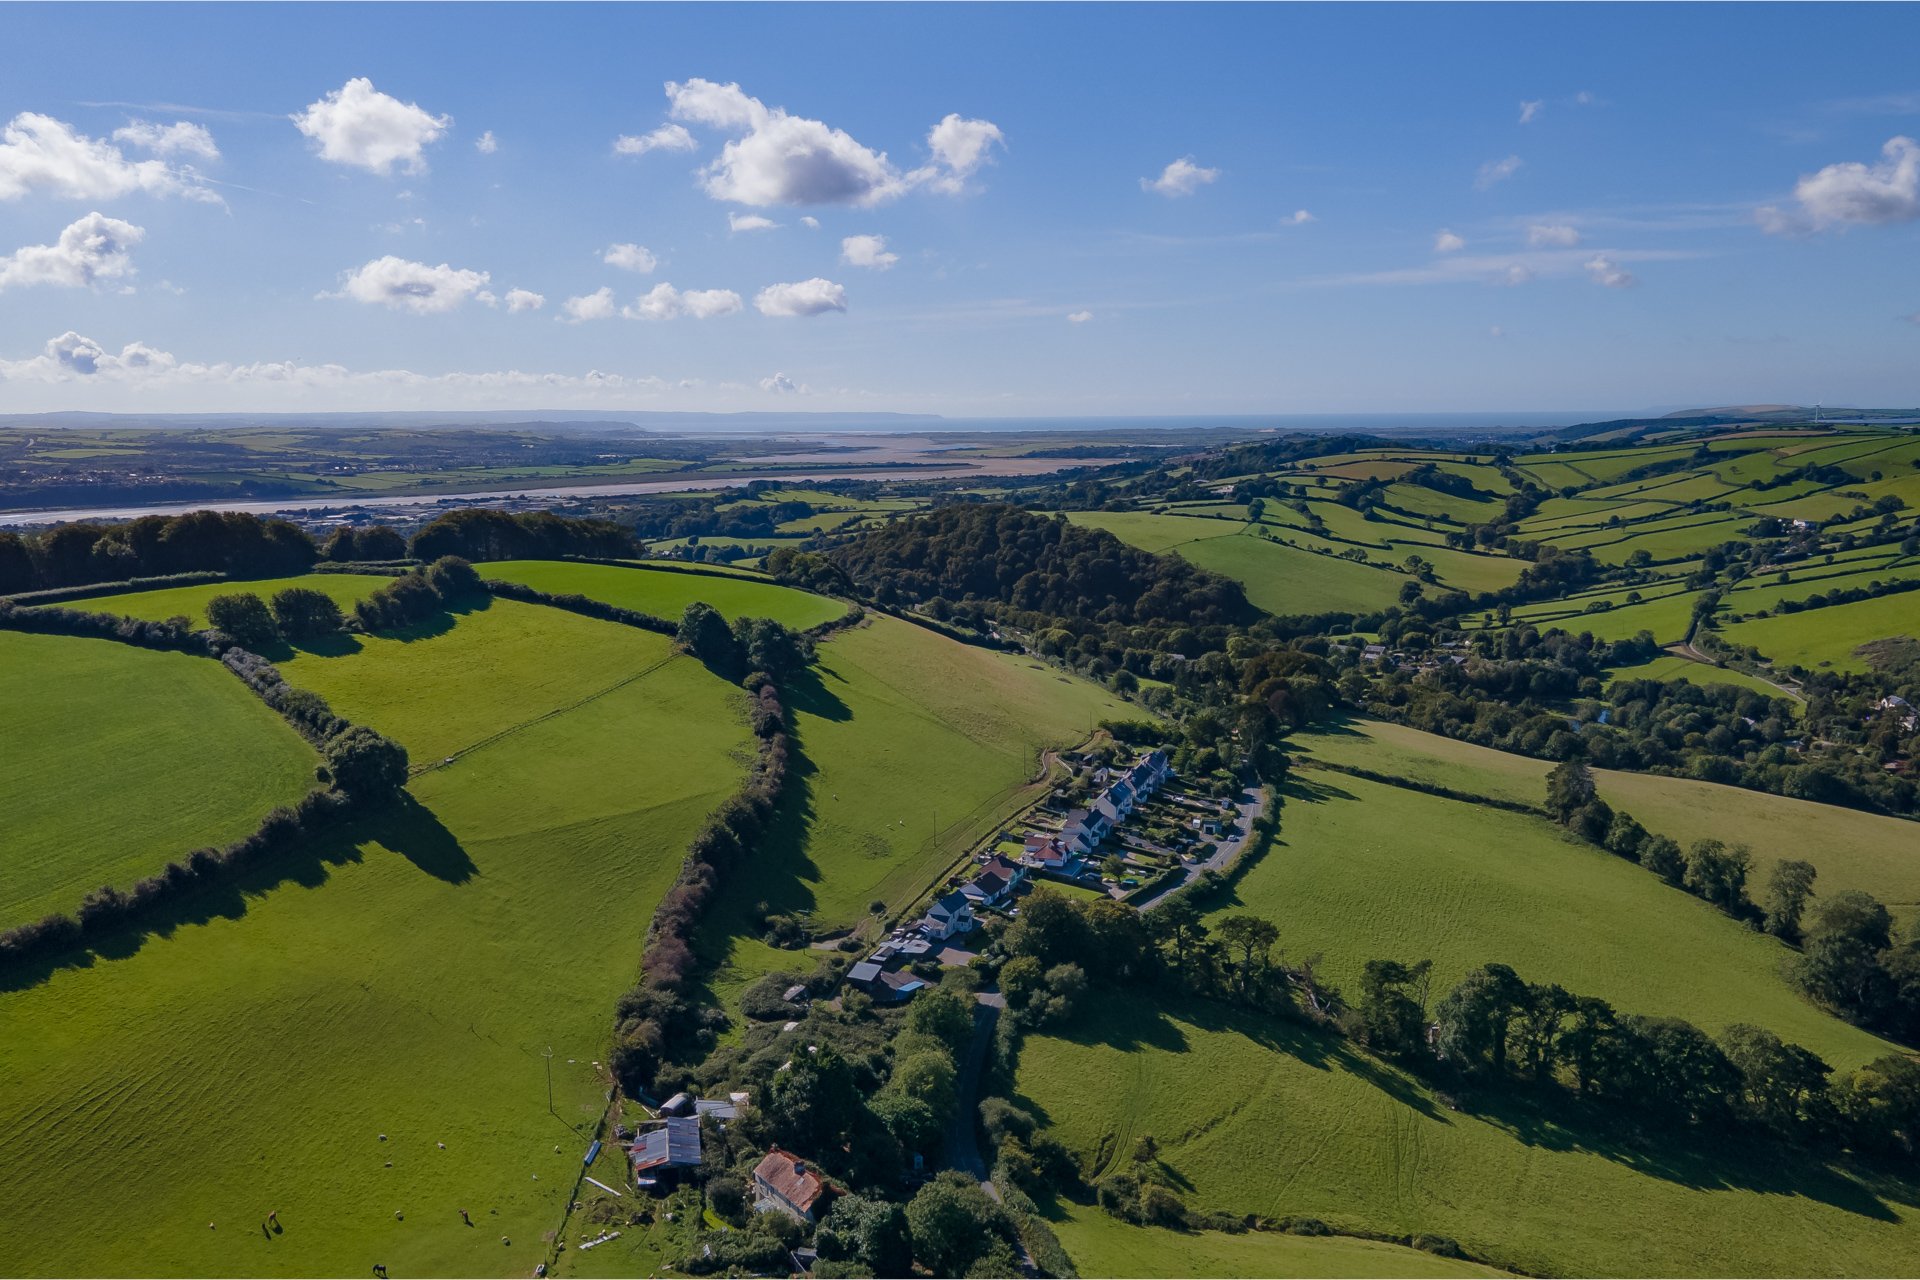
(403, 978)
(120, 760)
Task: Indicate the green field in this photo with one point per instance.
(1258, 1115)
(1829, 636)
(1284, 580)
(666, 593)
(916, 747)
(1478, 884)
(403, 979)
(124, 759)
(1851, 849)
(1671, 666)
(1105, 1246)
(344, 588)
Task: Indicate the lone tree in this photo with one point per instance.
(1787, 892)
(244, 616)
(303, 613)
(1569, 787)
(365, 764)
(705, 634)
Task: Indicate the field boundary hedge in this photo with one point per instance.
(662, 566)
(371, 568)
(1428, 788)
(107, 908)
(574, 602)
(54, 595)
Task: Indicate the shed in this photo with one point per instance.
(675, 1145)
(795, 993)
(864, 972)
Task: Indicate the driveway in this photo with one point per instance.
(1248, 810)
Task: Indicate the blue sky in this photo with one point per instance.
(1080, 210)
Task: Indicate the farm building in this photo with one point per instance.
(673, 1146)
(782, 1181)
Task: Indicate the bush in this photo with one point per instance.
(451, 577)
(1445, 1246)
(728, 1197)
(302, 613)
(366, 764)
(244, 616)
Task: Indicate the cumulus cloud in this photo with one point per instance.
(597, 305)
(1181, 178)
(1605, 272)
(1852, 193)
(88, 251)
(169, 139)
(631, 257)
(791, 160)
(1552, 236)
(779, 382)
(1447, 242)
(486, 144)
(1080, 317)
(668, 137)
(664, 302)
(811, 222)
(39, 153)
(77, 360)
(358, 125)
(959, 147)
(411, 286)
(1496, 171)
(749, 222)
(806, 298)
(867, 251)
(1530, 111)
(1298, 218)
(524, 300)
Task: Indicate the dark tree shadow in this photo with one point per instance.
(407, 827)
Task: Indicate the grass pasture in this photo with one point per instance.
(1671, 666)
(403, 978)
(1101, 1245)
(1258, 1115)
(1479, 884)
(193, 758)
(345, 589)
(666, 594)
(915, 747)
(1828, 637)
(1286, 580)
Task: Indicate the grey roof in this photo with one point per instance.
(676, 1143)
(717, 1109)
(953, 904)
(865, 971)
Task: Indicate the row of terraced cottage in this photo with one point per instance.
(1000, 878)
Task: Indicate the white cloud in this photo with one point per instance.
(597, 305)
(77, 360)
(40, 153)
(668, 137)
(1510, 269)
(356, 124)
(524, 300)
(486, 144)
(1584, 98)
(867, 251)
(1447, 242)
(1496, 171)
(1496, 332)
(1530, 111)
(1605, 272)
(169, 139)
(806, 298)
(779, 382)
(1080, 317)
(1852, 193)
(631, 257)
(1181, 178)
(88, 251)
(1298, 218)
(959, 147)
(811, 222)
(1515, 274)
(792, 160)
(411, 286)
(749, 222)
(664, 302)
(1552, 236)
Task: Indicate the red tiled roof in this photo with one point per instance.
(787, 1174)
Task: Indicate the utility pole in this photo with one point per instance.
(548, 1055)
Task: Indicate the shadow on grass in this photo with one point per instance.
(407, 827)
(1545, 1119)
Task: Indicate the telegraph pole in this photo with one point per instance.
(548, 1055)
